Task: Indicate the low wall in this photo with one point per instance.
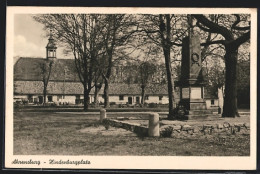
(226, 128)
(156, 128)
(136, 128)
(182, 130)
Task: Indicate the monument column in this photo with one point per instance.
(192, 83)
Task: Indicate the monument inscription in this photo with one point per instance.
(185, 92)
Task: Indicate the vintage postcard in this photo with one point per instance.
(131, 88)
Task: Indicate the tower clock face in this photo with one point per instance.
(195, 57)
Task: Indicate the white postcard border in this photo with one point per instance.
(130, 162)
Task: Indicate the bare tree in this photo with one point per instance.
(117, 29)
(234, 31)
(146, 70)
(81, 34)
(163, 30)
(98, 82)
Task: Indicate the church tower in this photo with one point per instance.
(51, 48)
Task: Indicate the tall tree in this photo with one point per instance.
(163, 30)
(98, 83)
(234, 31)
(117, 29)
(81, 34)
(146, 71)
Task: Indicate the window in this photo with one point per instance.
(49, 98)
(121, 97)
(212, 102)
(30, 98)
(146, 97)
(137, 100)
(160, 98)
(51, 53)
(35, 100)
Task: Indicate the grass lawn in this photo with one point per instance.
(50, 133)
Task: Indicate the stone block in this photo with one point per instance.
(220, 126)
(226, 125)
(238, 124)
(177, 127)
(120, 118)
(164, 127)
(197, 106)
(237, 128)
(208, 126)
(103, 114)
(196, 130)
(247, 125)
(154, 126)
(187, 128)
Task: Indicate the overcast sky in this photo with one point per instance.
(29, 38)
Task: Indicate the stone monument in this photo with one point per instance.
(191, 83)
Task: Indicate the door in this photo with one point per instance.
(137, 100)
(130, 100)
(40, 99)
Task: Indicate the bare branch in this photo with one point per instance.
(213, 27)
(245, 37)
(203, 28)
(223, 42)
(234, 26)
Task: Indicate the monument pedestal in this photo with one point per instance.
(194, 102)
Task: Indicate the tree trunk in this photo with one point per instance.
(166, 52)
(166, 45)
(96, 94)
(230, 99)
(44, 94)
(143, 95)
(86, 98)
(106, 94)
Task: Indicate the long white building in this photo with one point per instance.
(65, 87)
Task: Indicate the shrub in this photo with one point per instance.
(112, 103)
(167, 132)
(106, 124)
(152, 105)
(179, 112)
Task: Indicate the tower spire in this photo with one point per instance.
(50, 33)
(51, 47)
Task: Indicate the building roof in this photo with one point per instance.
(135, 89)
(29, 69)
(51, 43)
(74, 88)
(64, 80)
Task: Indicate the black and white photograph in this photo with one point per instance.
(131, 88)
